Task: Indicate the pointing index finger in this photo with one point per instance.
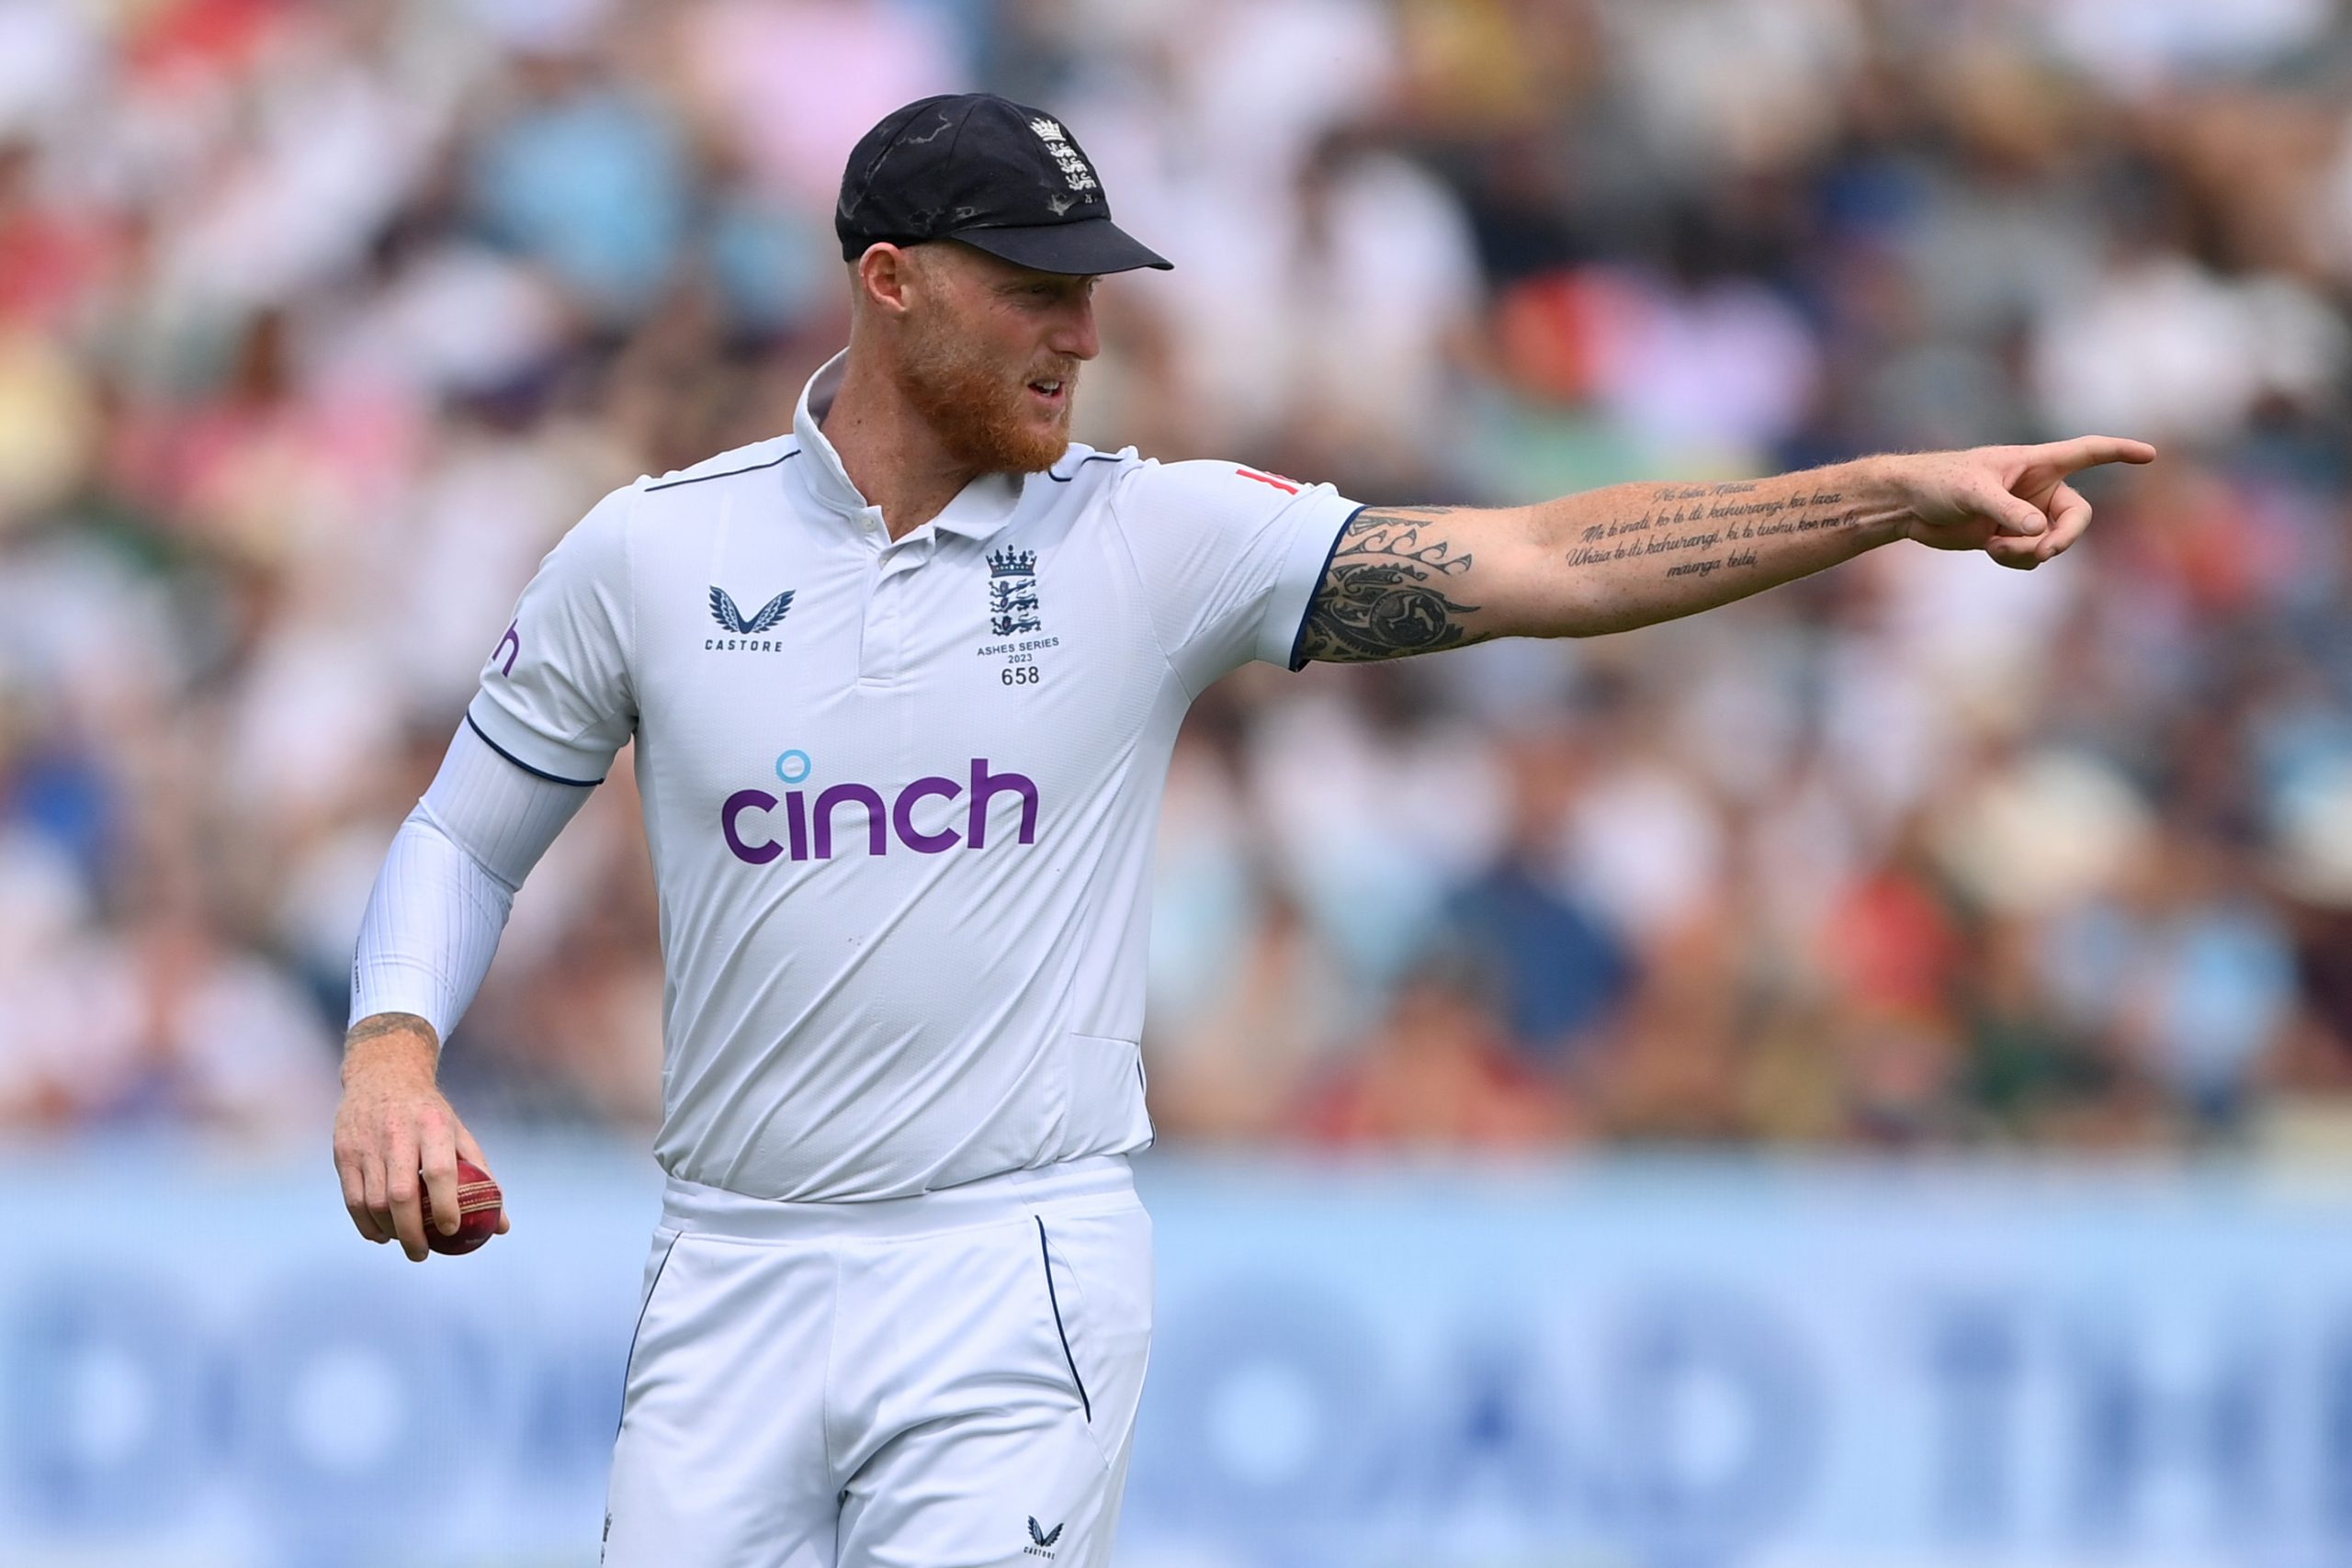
(2089, 451)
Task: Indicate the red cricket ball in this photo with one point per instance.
(479, 1204)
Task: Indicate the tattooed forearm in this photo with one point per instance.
(1383, 596)
(1602, 560)
(1705, 528)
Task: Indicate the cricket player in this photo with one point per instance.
(903, 683)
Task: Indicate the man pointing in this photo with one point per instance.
(904, 684)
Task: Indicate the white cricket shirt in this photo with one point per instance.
(900, 795)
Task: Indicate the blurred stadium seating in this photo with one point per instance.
(321, 319)
(319, 322)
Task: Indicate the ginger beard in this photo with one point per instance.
(981, 409)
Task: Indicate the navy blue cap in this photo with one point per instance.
(998, 175)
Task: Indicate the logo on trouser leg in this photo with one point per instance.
(1040, 1539)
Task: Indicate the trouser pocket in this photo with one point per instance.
(666, 1242)
(1097, 1268)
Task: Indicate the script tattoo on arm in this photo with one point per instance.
(1702, 529)
(1383, 593)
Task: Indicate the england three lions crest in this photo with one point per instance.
(1017, 632)
(1013, 593)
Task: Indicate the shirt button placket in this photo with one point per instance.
(882, 648)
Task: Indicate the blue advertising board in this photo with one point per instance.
(1686, 1364)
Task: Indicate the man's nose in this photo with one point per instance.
(1074, 332)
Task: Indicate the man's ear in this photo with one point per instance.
(885, 275)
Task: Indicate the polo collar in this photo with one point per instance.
(978, 510)
(829, 482)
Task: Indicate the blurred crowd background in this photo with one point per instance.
(321, 319)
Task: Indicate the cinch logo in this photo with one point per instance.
(747, 818)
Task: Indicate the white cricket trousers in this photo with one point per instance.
(947, 1381)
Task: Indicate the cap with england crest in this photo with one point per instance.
(997, 176)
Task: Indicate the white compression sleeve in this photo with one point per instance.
(441, 900)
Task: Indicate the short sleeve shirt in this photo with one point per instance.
(900, 795)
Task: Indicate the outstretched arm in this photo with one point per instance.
(1419, 579)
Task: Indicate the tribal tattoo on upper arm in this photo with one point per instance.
(1383, 595)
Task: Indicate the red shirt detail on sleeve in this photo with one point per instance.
(1279, 481)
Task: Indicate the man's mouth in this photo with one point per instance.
(1053, 390)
